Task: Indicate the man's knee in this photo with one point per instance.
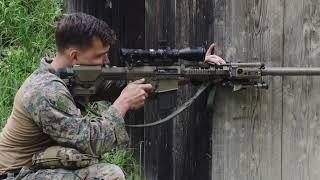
(106, 171)
(102, 171)
(48, 174)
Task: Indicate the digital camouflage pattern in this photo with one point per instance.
(100, 171)
(62, 157)
(50, 110)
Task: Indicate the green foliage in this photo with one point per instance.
(121, 157)
(124, 159)
(26, 35)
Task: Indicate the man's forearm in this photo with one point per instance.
(122, 106)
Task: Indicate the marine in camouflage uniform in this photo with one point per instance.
(45, 114)
(46, 135)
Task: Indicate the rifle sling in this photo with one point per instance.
(180, 109)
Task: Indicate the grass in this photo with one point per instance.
(124, 159)
(26, 35)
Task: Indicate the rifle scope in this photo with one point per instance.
(151, 55)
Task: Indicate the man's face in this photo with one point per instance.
(97, 54)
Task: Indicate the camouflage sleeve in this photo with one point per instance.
(54, 111)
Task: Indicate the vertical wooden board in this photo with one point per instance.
(132, 19)
(301, 103)
(191, 143)
(201, 123)
(246, 135)
(226, 139)
(192, 128)
(158, 140)
(89, 7)
(181, 130)
(266, 45)
(128, 19)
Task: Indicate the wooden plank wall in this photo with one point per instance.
(269, 134)
(256, 134)
(301, 102)
(178, 149)
(247, 124)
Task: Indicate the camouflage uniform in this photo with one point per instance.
(48, 102)
(100, 171)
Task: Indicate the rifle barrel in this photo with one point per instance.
(290, 71)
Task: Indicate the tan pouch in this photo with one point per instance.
(62, 157)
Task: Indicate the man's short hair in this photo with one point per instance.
(79, 30)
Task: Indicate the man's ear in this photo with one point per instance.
(73, 54)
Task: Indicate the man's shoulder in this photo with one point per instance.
(40, 81)
(42, 86)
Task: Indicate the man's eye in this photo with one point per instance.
(102, 55)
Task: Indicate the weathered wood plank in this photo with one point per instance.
(192, 128)
(124, 13)
(301, 103)
(158, 140)
(246, 135)
(266, 46)
(181, 155)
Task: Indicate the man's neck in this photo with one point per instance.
(60, 62)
